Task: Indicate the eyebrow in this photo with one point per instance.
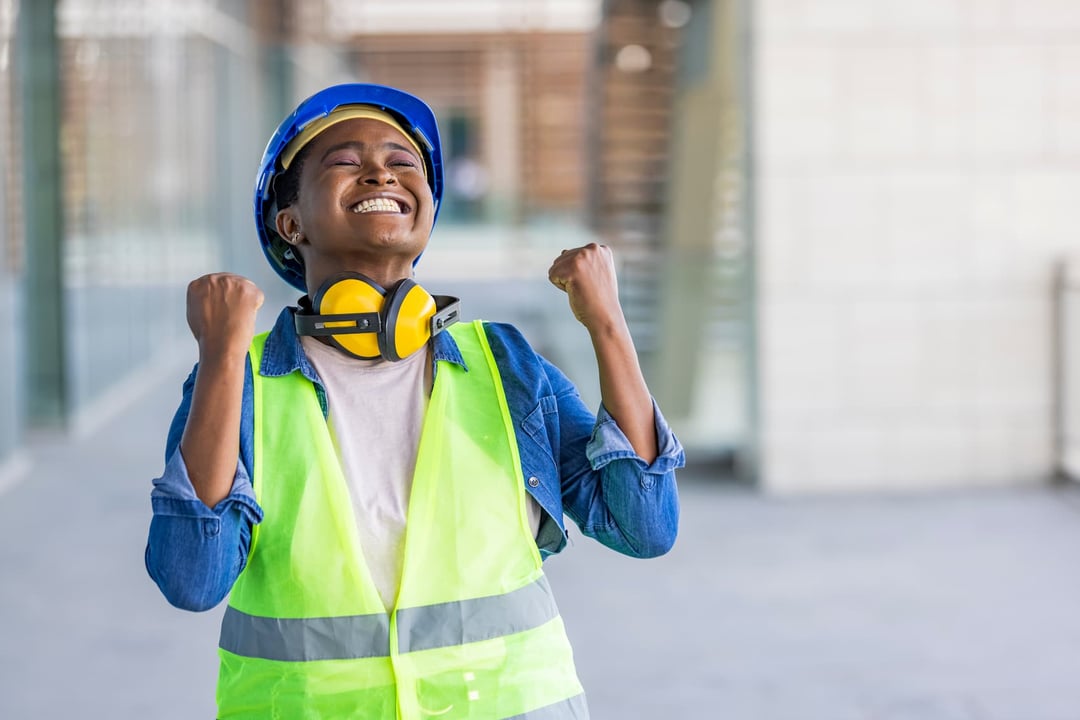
(350, 144)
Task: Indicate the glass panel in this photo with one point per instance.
(149, 156)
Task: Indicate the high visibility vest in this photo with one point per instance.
(474, 632)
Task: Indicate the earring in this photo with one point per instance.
(295, 238)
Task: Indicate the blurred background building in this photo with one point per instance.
(843, 229)
(837, 222)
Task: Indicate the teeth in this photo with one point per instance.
(377, 204)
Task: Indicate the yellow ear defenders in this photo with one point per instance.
(368, 322)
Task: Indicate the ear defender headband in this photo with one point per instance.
(370, 322)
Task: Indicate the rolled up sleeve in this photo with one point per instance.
(608, 443)
(195, 553)
(641, 499)
(609, 491)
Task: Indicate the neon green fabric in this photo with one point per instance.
(474, 632)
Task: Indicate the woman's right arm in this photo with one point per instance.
(221, 310)
(203, 503)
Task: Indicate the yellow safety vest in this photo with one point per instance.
(474, 632)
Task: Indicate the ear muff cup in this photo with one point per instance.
(406, 315)
(350, 293)
(374, 322)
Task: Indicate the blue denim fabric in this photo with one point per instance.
(573, 462)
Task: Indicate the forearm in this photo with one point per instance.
(622, 386)
(221, 309)
(587, 276)
(211, 439)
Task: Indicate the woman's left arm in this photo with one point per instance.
(587, 276)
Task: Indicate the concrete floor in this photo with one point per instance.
(952, 606)
(956, 606)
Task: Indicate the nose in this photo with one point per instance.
(378, 174)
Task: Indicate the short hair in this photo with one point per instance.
(287, 184)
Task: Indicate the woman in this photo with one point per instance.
(375, 483)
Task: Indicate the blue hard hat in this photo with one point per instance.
(415, 117)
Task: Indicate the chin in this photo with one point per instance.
(390, 243)
(394, 238)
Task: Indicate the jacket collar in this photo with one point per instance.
(284, 354)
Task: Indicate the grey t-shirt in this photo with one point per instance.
(376, 416)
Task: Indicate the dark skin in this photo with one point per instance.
(349, 163)
(365, 164)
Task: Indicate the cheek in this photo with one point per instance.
(428, 216)
(320, 190)
(427, 201)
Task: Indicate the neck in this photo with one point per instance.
(386, 273)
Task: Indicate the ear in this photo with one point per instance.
(287, 224)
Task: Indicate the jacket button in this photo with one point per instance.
(533, 482)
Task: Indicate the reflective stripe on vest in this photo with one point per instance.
(305, 639)
(476, 619)
(363, 636)
(474, 634)
(574, 707)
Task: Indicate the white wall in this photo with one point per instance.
(917, 174)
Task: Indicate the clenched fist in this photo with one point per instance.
(587, 276)
(221, 310)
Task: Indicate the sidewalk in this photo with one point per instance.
(931, 607)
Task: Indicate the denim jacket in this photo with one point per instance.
(573, 462)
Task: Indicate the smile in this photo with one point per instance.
(377, 205)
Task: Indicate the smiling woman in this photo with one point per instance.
(282, 168)
(363, 204)
(374, 483)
